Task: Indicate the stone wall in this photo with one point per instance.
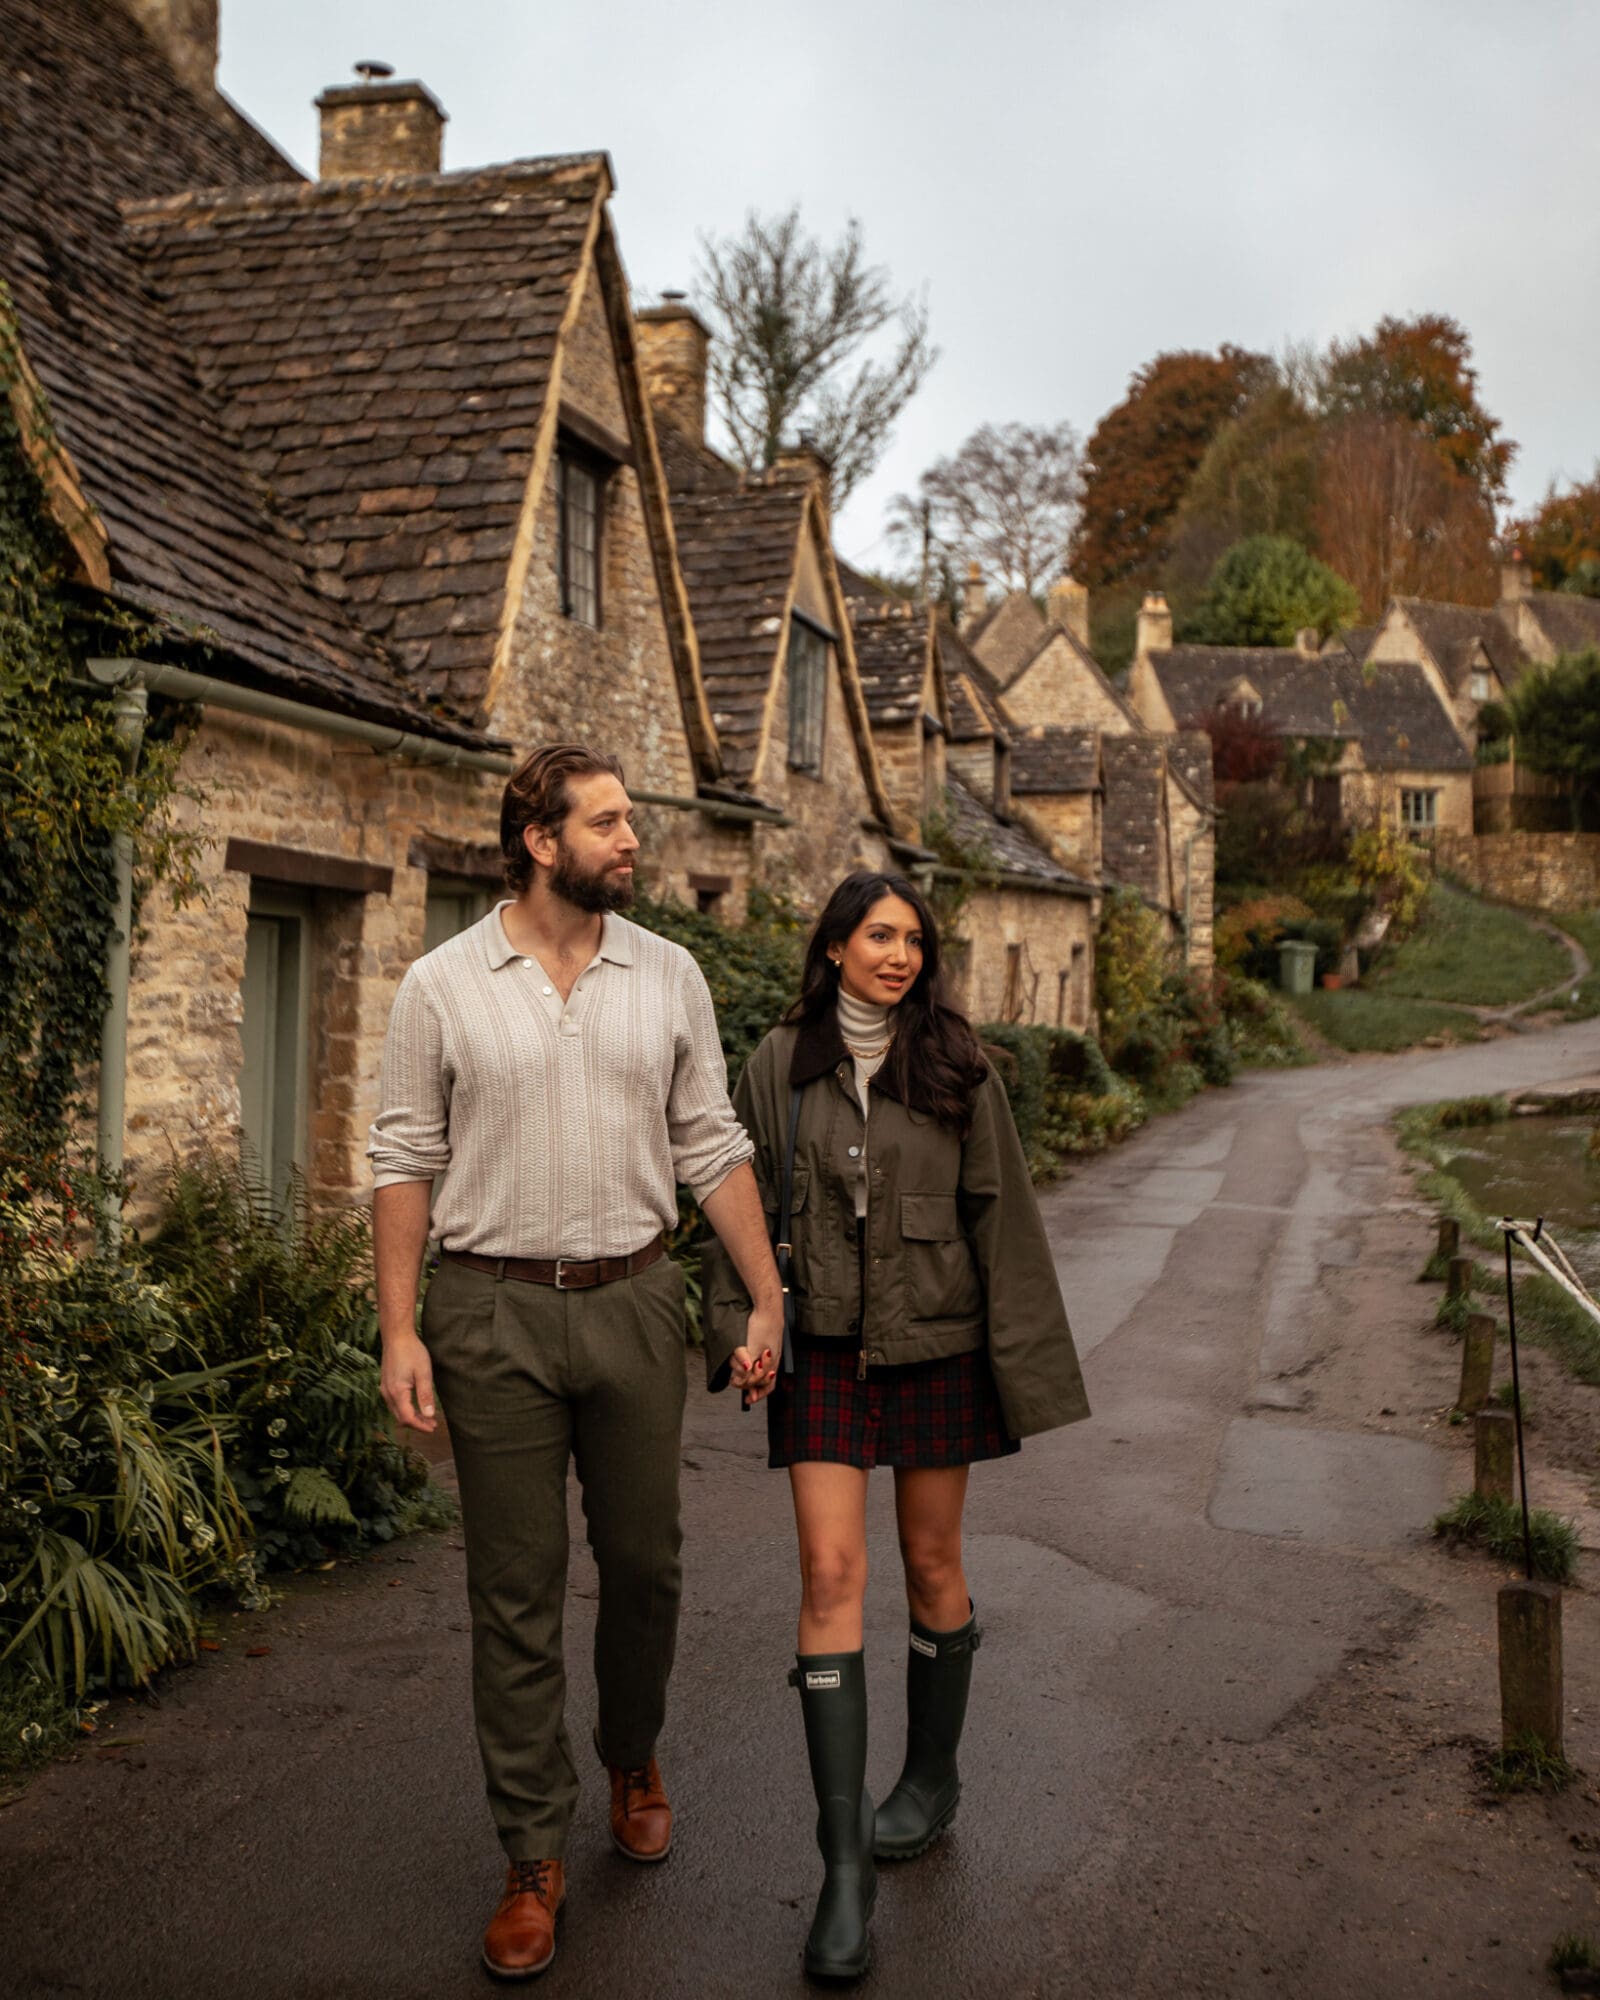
(1054, 935)
(1539, 871)
(1058, 688)
(613, 686)
(973, 764)
(1193, 879)
(1071, 822)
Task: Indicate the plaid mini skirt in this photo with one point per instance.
(921, 1413)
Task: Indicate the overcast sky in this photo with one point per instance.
(1076, 187)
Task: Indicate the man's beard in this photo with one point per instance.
(593, 893)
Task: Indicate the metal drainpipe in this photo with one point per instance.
(129, 709)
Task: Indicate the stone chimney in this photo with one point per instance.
(673, 344)
(379, 127)
(1308, 642)
(804, 461)
(974, 597)
(1516, 579)
(1153, 632)
(185, 31)
(1069, 608)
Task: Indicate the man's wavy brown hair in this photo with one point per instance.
(536, 795)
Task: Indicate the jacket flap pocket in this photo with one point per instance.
(929, 1218)
(771, 1196)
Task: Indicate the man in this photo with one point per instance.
(550, 1076)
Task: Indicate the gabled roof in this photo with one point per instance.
(1051, 759)
(1451, 631)
(1007, 634)
(1189, 757)
(892, 646)
(975, 709)
(1001, 845)
(738, 547)
(383, 350)
(1390, 708)
(1058, 634)
(91, 116)
(1571, 624)
(1356, 640)
(1133, 823)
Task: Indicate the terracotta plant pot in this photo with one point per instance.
(1331, 982)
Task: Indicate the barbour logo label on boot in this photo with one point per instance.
(924, 1646)
(827, 1679)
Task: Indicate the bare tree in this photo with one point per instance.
(1009, 498)
(791, 316)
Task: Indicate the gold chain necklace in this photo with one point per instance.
(869, 1055)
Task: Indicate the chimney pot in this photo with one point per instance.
(380, 127)
(673, 343)
(1308, 642)
(1153, 631)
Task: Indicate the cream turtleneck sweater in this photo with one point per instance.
(868, 1029)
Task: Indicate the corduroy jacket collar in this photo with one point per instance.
(819, 1047)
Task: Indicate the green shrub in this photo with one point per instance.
(1132, 961)
(753, 969)
(1260, 1027)
(283, 1295)
(1063, 1094)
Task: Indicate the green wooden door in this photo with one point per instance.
(275, 1030)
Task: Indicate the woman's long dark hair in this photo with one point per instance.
(936, 1063)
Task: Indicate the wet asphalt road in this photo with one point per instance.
(308, 1824)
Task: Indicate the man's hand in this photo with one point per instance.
(755, 1365)
(408, 1382)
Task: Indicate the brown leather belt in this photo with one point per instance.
(567, 1274)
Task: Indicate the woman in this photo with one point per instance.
(929, 1333)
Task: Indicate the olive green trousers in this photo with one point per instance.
(529, 1378)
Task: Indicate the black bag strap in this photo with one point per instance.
(783, 1249)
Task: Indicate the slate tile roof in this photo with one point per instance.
(974, 697)
(1571, 624)
(1450, 631)
(1002, 845)
(738, 546)
(382, 350)
(1049, 758)
(892, 658)
(1390, 709)
(90, 117)
(1189, 755)
(1133, 821)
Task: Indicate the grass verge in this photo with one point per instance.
(1479, 954)
(1383, 1024)
(1582, 1002)
(1495, 1526)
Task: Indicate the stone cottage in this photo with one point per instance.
(1397, 754)
(371, 461)
(1138, 804)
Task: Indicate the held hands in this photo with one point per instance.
(754, 1369)
(408, 1382)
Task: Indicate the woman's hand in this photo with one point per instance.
(754, 1366)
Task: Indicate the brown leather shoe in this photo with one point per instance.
(521, 1938)
(641, 1818)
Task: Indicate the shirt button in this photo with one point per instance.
(855, 1152)
(527, 965)
(549, 989)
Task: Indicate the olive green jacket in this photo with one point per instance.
(956, 1254)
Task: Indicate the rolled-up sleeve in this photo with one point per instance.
(707, 1140)
(410, 1138)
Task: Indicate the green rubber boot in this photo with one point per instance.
(924, 1800)
(833, 1700)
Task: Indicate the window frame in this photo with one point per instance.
(1428, 821)
(815, 722)
(575, 459)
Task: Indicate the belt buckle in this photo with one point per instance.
(561, 1263)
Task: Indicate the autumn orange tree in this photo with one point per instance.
(1561, 539)
(1144, 453)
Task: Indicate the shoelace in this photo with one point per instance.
(636, 1780)
(533, 1877)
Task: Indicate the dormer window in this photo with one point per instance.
(808, 694)
(1478, 684)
